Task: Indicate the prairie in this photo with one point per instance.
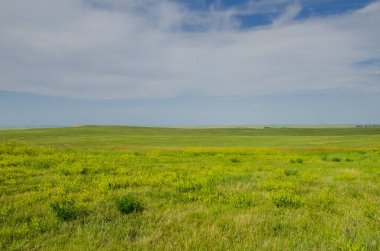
(143, 188)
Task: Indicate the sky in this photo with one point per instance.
(201, 62)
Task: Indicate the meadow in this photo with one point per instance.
(143, 188)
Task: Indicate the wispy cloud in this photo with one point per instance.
(289, 15)
(154, 49)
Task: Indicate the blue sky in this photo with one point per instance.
(202, 62)
(310, 8)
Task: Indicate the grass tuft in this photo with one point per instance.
(129, 204)
(298, 160)
(65, 210)
(336, 159)
(235, 160)
(84, 171)
(286, 199)
(290, 172)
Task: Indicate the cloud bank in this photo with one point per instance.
(136, 49)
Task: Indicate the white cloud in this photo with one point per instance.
(290, 13)
(141, 49)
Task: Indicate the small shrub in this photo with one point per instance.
(235, 160)
(66, 172)
(349, 160)
(128, 204)
(287, 199)
(298, 160)
(84, 171)
(336, 159)
(65, 210)
(291, 172)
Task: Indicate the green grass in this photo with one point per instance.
(117, 188)
(103, 136)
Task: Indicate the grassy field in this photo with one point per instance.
(135, 188)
